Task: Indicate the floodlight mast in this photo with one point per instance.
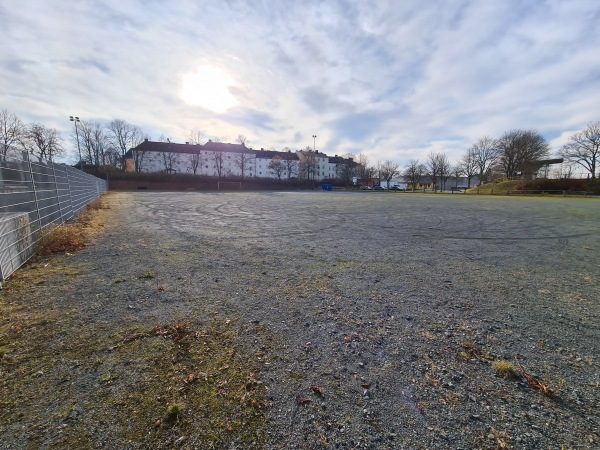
(75, 120)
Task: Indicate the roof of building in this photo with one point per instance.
(341, 160)
(171, 147)
(317, 153)
(210, 146)
(269, 154)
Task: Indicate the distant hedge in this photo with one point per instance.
(186, 181)
(569, 185)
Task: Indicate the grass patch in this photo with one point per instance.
(505, 369)
(195, 382)
(62, 239)
(497, 188)
(71, 237)
(196, 386)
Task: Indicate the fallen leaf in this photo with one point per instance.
(191, 378)
(317, 390)
(303, 400)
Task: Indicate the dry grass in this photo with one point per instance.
(186, 381)
(496, 188)
(75, 236)
(505, 369)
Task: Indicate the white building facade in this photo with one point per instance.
(218, 159)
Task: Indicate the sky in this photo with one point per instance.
(395, 80)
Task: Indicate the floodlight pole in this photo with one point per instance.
(75, 120)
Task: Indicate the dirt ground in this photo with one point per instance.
(310, 320)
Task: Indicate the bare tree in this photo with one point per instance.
(414, 172)
(42, 142)
(12, 132)
(113, 157)
(194, 160)
(216, 157)
(242, 140)
(196, 137)
(485, 153)
(457, 171)
(94, 142)
(388, 170)
(347, 170)
(444, 169)
(122, 136)
(308, 163)
(242, 161)
(170, 159)
(468, 165)
(277, 166)
(519, 149)
(365, 170)
(290, 161)
(433, 169)
(138, 158)
(583, 148)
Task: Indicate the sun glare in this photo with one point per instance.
(208, 87)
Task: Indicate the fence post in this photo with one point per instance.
(492, 191)
(37, 206)
(57, 193)
(70, 195)
(564, 193)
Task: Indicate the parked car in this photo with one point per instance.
(365, 188)
(378, 188)
(397, 188)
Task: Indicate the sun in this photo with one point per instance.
(208, 87)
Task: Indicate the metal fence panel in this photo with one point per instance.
(33, 196)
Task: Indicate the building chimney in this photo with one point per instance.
(146, 140)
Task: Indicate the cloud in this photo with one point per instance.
(393, 79)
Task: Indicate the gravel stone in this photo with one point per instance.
(417, 294)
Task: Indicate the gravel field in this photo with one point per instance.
(360, 320)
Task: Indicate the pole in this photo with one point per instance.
(75, 120)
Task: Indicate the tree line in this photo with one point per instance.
(512, 154)
(516, 153)
(98, 144)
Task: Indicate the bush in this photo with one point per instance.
(570, 185)
(62, 239)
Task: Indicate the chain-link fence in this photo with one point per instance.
(33, 196)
